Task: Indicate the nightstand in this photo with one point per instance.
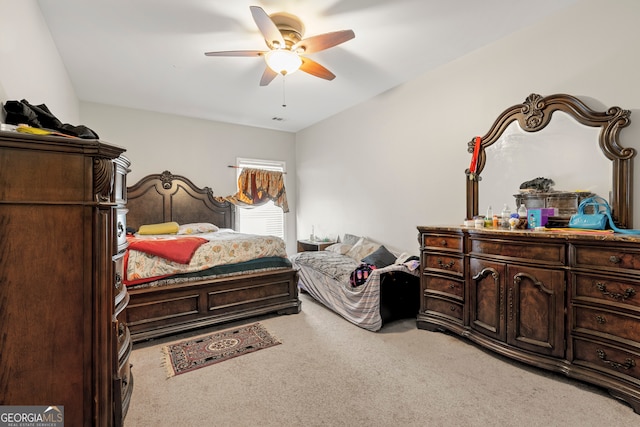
(309, 245)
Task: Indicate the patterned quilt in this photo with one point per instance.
(223, 247)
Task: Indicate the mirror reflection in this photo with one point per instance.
(578, 150)
(565, 151)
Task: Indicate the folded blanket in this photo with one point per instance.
(175, 249)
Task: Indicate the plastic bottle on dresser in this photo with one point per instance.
(522, 211)
(488, 219)
(506, 213)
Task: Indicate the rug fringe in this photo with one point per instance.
(275, 337)
(166, 362)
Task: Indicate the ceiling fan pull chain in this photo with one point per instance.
(284, 100)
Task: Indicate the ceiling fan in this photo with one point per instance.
(283, 34)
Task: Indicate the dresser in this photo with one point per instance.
(62, 302)
(565, 302)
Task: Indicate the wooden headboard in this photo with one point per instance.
(166, 197)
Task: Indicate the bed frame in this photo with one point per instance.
(157, 311)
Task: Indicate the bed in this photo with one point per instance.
(170, 302)
(334, 278)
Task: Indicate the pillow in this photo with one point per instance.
(350, 239)
(197, 227)
(381, 257)
(160, 228)
(339, 248)
(362, 248)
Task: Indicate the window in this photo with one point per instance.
(267, 219)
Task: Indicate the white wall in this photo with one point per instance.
(201, 150)
(380, 168)
(31, 69)
(30, 66)
(398, 160)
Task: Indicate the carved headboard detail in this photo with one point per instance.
(166, 197)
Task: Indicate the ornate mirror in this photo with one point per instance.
(578, 150)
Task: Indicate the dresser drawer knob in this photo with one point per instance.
(452, 308)
(628, 293)
(600, 319)
(446, 266)
(615, 260)
(451, 286)
(443, 242)
(628, 362)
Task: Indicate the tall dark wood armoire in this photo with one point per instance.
(62, 241)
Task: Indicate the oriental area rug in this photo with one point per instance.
(195, 353)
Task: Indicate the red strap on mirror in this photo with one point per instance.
(474, 159)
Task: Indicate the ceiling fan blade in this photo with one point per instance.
(323, 41)
(267, 76)
(268, 29)
(312, 67)
(236, 53)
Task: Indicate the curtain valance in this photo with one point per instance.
(257, 186)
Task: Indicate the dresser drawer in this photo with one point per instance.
(609, 324)
(120, 181)
(613, 360)
(525, 251)
(618, 259)
(445, 242)
(125, 344)
(607, 290)
(443, 263)
(445, 286)
(118, 274)
(121, 229)
(444, 307)
(120, 302)
(126, 379)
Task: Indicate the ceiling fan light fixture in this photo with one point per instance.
(283, 61)
(283, 33)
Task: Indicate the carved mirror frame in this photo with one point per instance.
(534, 114)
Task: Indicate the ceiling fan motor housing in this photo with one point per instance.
(290, 26)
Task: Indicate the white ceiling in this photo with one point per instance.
(149, 54)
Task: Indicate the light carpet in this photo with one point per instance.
(332, 373)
